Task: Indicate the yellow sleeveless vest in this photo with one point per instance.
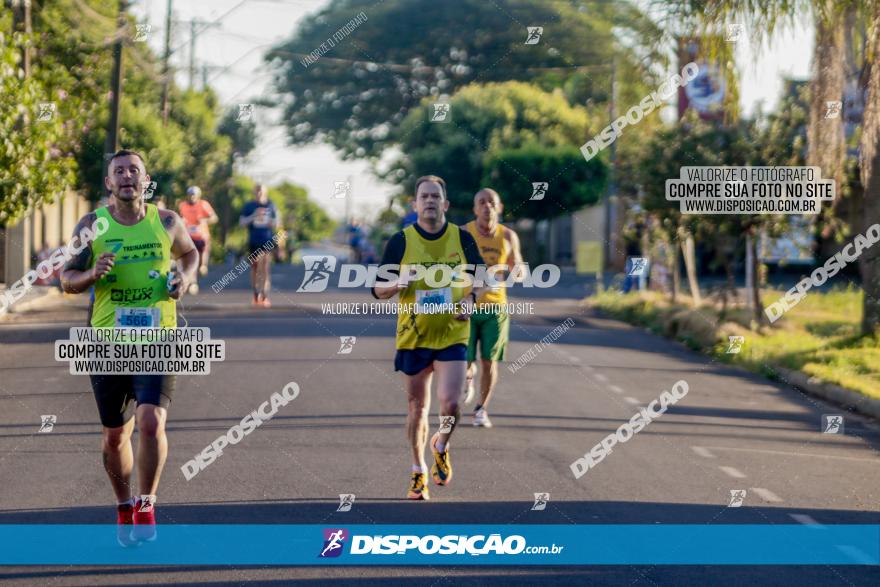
(495, 251)
(431, 331)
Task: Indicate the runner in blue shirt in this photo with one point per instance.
(261, 218)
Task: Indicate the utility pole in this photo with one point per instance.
(112, 142)
(348, 201)
(192, 53)
(193, 34)
(207, 68)
(21, 20)
(612, 115)
(166, 72)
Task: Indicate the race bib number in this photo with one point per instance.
(137, 318)
(434, 301)
(263, 218)
(193, 229)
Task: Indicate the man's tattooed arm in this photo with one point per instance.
(182, 248)
(76, 276)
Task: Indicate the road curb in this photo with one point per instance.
(846, 398)
(830, 392)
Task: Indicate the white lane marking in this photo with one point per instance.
(793, 454)
(735, 473)
(766, 494)
(856, 554)
(631, 400)
(805, 520)
(615, 388)
(601, 377)
(703, 452)
(586, 368)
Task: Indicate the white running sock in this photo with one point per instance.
(419, 469)
(129, 501)
(440, 446)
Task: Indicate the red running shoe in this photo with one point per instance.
(124, 521)
(144, 519)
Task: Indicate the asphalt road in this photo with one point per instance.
(344, 434)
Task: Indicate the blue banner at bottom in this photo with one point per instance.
(443, 544)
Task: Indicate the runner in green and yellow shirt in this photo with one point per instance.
(490, 323)
(432, 325)
(129, 265)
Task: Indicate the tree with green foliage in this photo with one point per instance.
(776, 141)
(198, 145)
(836, 36)
(241, 133)
(304, 220)
(240, 190)
(242, 136)
(407, 52)
(572, 183)
(32, 171)
(72, 59)
(516, 118)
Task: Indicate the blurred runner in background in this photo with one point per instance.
(261, 218)
(197, 215)
(356, 240)
(490, 326)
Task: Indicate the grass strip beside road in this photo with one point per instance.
(819, 337)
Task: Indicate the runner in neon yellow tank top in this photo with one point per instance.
(128, 266)
(431, 343)
(142, 260)
(490, 329)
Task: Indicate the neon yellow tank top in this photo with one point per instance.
(495, 251)
(431, 331)
(138, 277)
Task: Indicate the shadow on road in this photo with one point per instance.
(313, 510)
(518, 576)
(733, 423)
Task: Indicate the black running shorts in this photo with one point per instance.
(414, 361)
(114, 394)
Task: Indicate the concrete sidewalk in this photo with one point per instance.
(39, 297)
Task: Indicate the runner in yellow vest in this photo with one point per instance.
(490, 326)
(429, 343)
(128, 266)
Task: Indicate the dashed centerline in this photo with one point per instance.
(735, 473)
(703, 452)
(767, 495)
(805, 520)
